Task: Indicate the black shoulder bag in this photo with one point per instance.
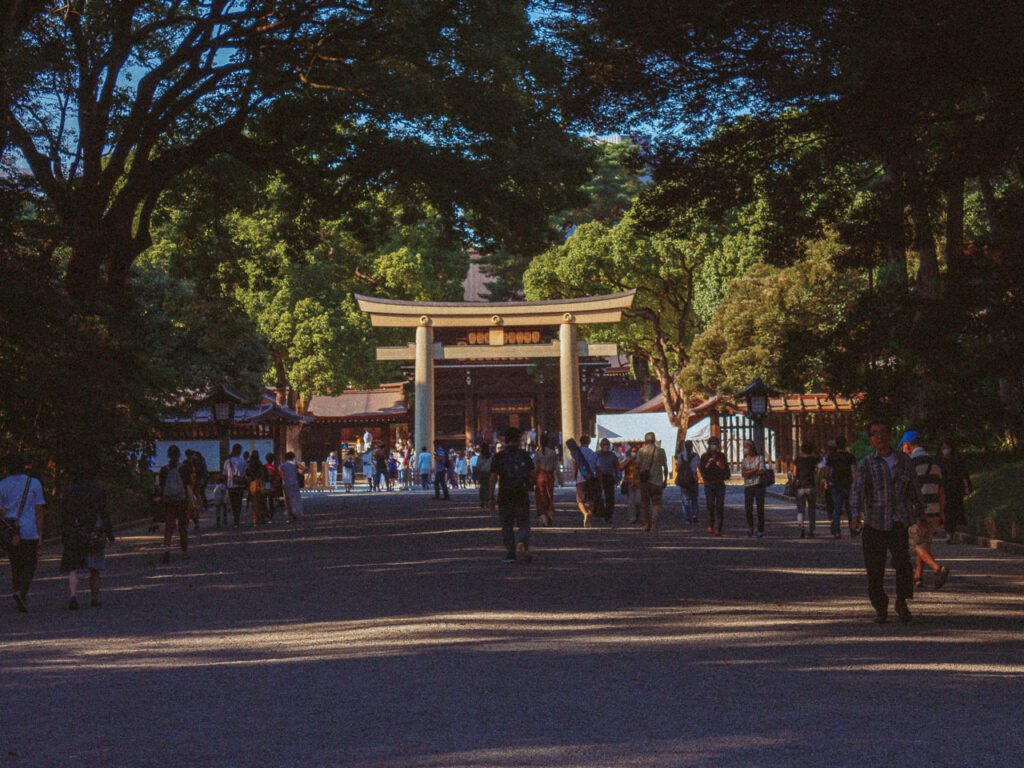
(10, 531)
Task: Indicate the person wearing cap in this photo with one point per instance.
(886, 500)
(652, 466)
(929, 479)
(687, 465)
(714, 471)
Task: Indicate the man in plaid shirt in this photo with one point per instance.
(885, 500)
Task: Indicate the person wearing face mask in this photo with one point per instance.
(631, 481)
(752, 467)
(652, 465)
(957, 484)
(714, 470)
(606, 463)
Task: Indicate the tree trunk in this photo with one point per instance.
(955, 229)
(284, 391)
(988, 197)
(895, 271)
(924, 246)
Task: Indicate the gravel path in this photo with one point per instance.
(384, 631)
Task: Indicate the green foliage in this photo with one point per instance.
(994, 509)
(599, 258)
(266, 251)
(773, 323)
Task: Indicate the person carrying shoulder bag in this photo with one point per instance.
(23, 505)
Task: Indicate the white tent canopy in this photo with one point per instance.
(631, 428)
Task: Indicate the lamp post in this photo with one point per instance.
(222, 405)
(756, 394)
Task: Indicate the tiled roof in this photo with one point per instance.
(387, 402)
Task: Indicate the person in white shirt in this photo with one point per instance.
(234, 478)
(423, 462)
(290, 484)
(23, 506)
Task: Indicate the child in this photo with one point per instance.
(220, 501)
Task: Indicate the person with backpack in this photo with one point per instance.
(512, 474)
(687, 463)
(173, 483)
(841, 464)
(85, 530)
(714, 471)
(928, 474)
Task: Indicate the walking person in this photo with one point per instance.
(24, 510)
(512, 475)
(841, 464)
(546, 463)
(752, 468)
(368, 467)
(440, 472)
(483, 473)
(957, 485)
(173, 481)
(652, 467)
(85, 531)
(587, 488)
(928, 473)
(234, 477)
(806, 499)
(290, 485)
(886, 501)
(687, 466)
(274, 486)
(631, 481)
(714, 471)
(606, 464)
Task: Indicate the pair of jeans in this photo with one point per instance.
(754, 495)
(691, 507)
(895, 543)
(840, 504)
(514, 516)
(606, 497)
(806, 508)
(441, 483)
(425, 481)
(23, 556)
(235, 495)
(483, 480)
(650, 503)
(332, 477)
(714, 498)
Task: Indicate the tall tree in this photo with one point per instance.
(134, 93)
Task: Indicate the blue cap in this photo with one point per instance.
(910, 436)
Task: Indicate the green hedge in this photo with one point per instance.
(996, 508)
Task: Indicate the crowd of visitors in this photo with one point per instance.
(896, 497)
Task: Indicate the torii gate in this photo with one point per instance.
(496, 317)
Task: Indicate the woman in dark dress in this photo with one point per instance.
(85, 531)
(956, 482)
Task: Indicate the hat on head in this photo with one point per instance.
(910, 436)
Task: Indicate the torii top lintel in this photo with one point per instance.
(395, 313)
